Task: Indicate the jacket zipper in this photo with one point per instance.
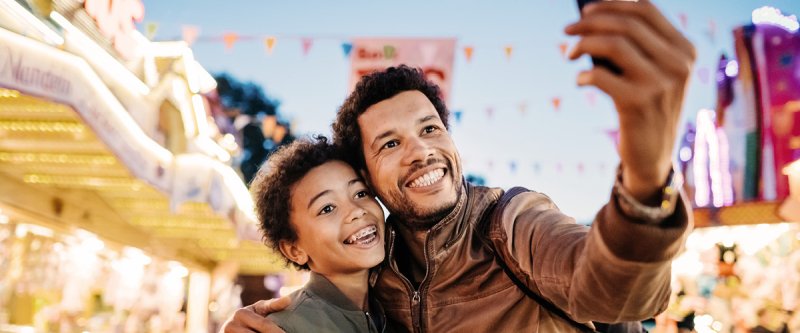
(416, 299)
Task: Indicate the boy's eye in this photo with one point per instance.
(326, 210)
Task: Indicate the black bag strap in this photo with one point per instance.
(494, 214)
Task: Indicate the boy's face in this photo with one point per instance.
(411, 161)
(338, 221)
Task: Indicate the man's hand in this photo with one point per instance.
(252, 318)
(656, 62)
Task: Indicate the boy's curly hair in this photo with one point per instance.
(271, 188)
(372, 89)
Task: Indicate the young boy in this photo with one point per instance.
(317, 212)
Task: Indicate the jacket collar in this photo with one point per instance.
(325, 289)
(449, 225)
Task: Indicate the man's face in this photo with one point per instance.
(411, 161)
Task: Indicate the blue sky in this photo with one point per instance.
(537, 142)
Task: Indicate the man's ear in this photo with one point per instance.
(293, 252)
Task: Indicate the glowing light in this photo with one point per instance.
(702, 324)
(39, 158)
(724, 165)
(213, 306)
(89, 241)
(685, 154)
(24, 228)
(732, 68)
(773, 16)
(228, 142)
(713, 181)
(7, 93)
(177, 269)
(749, 239)
(42, 126)
(81, 181)
(136, 255)
(3, 217)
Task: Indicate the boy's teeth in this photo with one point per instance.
(361, 234)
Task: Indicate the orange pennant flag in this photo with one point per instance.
(509, 49)
(468, 52)
(190, 33)
(269, 42)
(556, 103)
(230, 39)
(563, 47)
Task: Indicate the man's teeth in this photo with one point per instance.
(428, 179)
(358, 235)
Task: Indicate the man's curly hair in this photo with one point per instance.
(372, 89)
(271, 188)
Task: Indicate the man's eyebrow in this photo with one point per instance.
(320, 194)
(426, 118)
(391, 131)
(382, 136)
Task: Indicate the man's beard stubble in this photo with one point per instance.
(418, 219)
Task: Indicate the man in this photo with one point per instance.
(440, 274)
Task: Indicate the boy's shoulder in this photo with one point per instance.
(309, 313)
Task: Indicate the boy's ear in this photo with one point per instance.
(293, 252)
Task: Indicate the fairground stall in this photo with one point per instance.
(741, 268)
(119, 208)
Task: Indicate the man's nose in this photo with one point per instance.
(417, 150)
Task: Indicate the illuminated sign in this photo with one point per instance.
(115, 21)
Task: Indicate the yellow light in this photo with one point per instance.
(42, 126)
(81, 181)
(215, 223)
(24, 228)
(213, 306)
(8, 93)
(48, 158)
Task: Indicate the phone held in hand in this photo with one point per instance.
(596, 60)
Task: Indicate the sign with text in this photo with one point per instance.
(433, 55)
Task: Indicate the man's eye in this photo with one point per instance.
(390, 144)
(429, 129)
(326, 210)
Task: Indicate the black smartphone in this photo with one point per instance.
(595, 60)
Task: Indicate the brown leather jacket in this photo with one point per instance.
(616, 270)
